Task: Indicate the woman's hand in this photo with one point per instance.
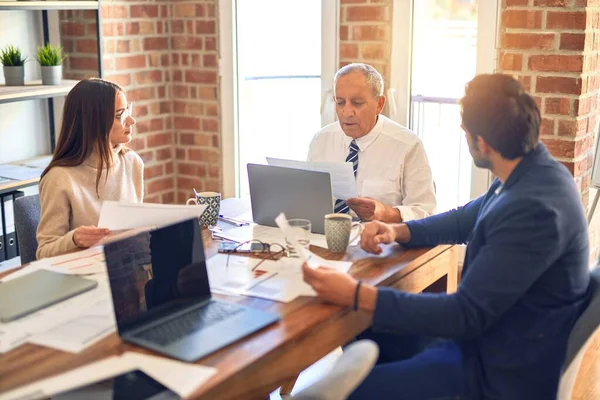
(87, 236)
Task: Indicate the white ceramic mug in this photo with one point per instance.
(212, 200)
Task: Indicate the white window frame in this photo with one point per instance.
(228, 91)
(401, 62)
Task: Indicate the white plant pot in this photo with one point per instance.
(51, 75)
(14, 76)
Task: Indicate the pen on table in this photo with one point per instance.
(233, 221)
(262, 281)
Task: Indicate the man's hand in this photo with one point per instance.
(368, 209)
(339, 288)
(376, 233)
(86, 236)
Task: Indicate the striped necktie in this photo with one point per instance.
(340, 205)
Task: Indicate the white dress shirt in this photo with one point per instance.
(392, 165)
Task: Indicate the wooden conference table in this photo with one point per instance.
(256, 365)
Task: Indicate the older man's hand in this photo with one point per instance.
(368, 209)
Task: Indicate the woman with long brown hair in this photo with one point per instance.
(90, 165)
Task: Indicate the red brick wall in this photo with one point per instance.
(164, 53)
(365, 34)
(195, 94)
(549, 45)
(589, 105)
(78, 38)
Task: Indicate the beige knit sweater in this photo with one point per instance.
(68, 198)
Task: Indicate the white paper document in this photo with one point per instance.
(266, 234)
(279, 280)
(85, 262)
(290, 236)
(181, 378)
(79, 332)
(310, 258)
(38, 162)
(19, 172)
(120, 216)
(11, 337)
(343, 182)
(10, 264)
(71, 325)
(240, 277)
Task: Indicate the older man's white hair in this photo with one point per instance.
(373, 77)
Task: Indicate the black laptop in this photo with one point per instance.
(161, 295)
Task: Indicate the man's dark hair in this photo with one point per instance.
(497, 108)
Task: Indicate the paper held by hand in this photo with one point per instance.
(118, 216)
(308, 257)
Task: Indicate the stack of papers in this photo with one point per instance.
(181, 378)
(279, 280)
(266, 234)
(85, 262)
(71, 325)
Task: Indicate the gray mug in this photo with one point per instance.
(213, 205)
(337, 231)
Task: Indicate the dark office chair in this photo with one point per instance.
(580, 338)
(27, 218)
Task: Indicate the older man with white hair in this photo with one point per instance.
(390, 165)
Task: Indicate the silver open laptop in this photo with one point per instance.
(295, 192)
(161, 295)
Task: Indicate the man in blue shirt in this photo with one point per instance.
(525, 278)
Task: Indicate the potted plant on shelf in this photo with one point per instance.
(13, 65)
(50, 59)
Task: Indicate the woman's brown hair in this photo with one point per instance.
(88, 116)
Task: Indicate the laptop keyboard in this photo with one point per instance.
(174, 329)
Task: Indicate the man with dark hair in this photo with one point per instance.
(525, 276)
(497, 108)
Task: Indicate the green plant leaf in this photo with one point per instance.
(11, 56)
(49, 55)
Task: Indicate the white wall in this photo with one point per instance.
(24, 129)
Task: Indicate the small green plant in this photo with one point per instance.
(11, 57)
(49, 55)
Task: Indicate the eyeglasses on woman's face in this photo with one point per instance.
(124, 113)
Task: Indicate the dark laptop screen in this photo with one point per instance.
(156, 271)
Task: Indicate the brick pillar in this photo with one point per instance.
(136, 55)
(549, 46)
(195, 97)
(366, 33)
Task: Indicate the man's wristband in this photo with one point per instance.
(356, 293)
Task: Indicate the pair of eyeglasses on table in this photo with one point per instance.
(255, 248)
